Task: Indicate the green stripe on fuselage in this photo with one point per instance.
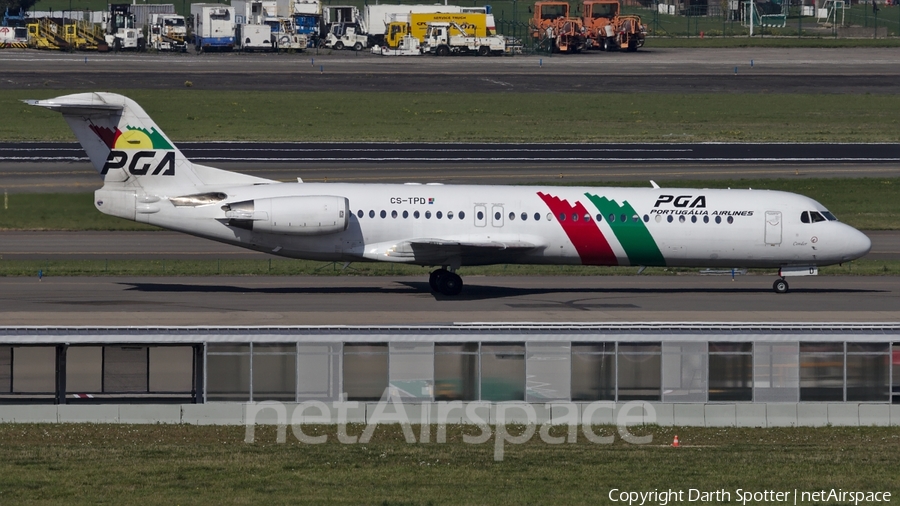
(632, 235)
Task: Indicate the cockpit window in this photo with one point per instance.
(816, 216)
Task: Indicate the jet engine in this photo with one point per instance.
(298, 215)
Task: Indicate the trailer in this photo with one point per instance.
(250, 37)
(214, 27)
(440, 41)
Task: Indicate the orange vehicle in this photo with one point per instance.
(556, 31)
(606, 30)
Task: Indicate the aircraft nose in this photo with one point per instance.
(856, 244)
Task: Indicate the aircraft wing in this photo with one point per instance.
(446, 252)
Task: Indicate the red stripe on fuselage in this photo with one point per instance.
(585, 235)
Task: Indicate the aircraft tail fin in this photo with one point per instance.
(129, 150)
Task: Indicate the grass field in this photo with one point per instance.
(195, 114)
(182, 464)
(865, 203)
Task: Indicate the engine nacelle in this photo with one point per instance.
(300, 215)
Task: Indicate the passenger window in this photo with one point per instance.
(438, 215)
(449, 215)
(587, 217)
(405, 214)
(371, 213)
(524, 216)
(416, 215)
(693, 219)
(718, 219)
(804, 217)
(497, 216)
(612, 218)
(462, 215)
(383, 213)
(574, 216)
(623, 218)
(479, 216)
(359, 213)
(635, 218)
(706, 219)
(646, 218)
(681, 219)
(537, 216)
(394, 213)
(512, 216)
(730, 220)
(599, 217)
(562, 216)
(670, 219)
(427, 215)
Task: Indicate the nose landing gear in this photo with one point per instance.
(780, 286)
(445, 282)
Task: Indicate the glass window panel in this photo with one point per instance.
(503, 372)
(593, 348)
(84, 369)
(228, 377)
(868, 347)
(412, 370)
(456, 348)
(548, 368)
(593, 377)
(34, 369)
(274, 377)
(171, 368)
(640, 347)
(684, 369)
(895, 372)
(730, 347)
(228, 348)
(274, 348)
(320, 372)
(821, 376)
(639, 371)
(456, 374)
(776, 372)
(5, 369)
(821, 347)
(868, 378)
(730, 377)
(365, 371)
(125, 369)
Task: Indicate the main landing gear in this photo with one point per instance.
(780, 286)
(445, 282)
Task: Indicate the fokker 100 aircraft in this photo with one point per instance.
(147, 179)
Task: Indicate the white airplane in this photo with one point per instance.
(147, 179)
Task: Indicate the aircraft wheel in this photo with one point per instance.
(780, 286)
(450, 284)
(357, 46)
(434, 280)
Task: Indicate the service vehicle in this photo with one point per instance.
(214, 27)
(168, 32)
(607, 30)
(441, 41)
(416, 24)
(346, 36)
(121, 31)
(554, 30)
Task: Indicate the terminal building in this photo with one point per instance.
(812, 370)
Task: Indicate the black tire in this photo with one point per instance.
(632, 45)
(357, 46)
(780, 286)
(117, 45)
(450, 284)
(339, 45)
(443, 51)
(484, 51)
(434, 280)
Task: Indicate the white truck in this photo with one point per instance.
(408, 46)
(121, 31)
(440, 42)
(346, 35)
(378, 16)
(213, 26)
(251, 33)
(168, 32)
(284, 35)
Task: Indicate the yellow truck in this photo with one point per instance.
(474, 24)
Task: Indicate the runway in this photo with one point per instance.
(671, 70)
(98, 245)
(402, 300)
